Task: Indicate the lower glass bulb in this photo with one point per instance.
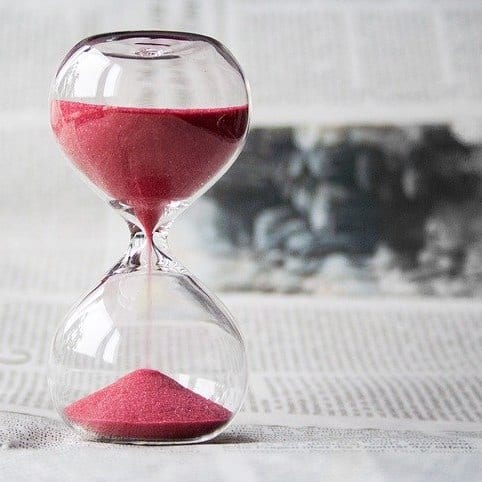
(148, 357)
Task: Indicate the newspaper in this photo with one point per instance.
(247, 454)
(329, 63)
(337, 63)
(327, 363)
(77, 237)
(327, 377)
(373, 375)
(393, 365)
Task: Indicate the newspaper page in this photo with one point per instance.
(251, 454)
(372, 363)
(322, 362)
(329, 63)
(76, 244)
(335, 63)
(323, 373)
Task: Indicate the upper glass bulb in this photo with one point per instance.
(152, 119)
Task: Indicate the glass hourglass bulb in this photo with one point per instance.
(151, 119)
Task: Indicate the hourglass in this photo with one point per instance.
(151, 119)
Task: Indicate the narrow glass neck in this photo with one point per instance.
(157, 241)
(148, 253)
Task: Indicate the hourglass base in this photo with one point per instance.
(94, 437)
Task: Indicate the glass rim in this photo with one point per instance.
(106, 37)
(127, 34)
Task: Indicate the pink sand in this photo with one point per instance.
(147, 405)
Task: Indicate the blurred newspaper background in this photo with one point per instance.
(361, 174)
